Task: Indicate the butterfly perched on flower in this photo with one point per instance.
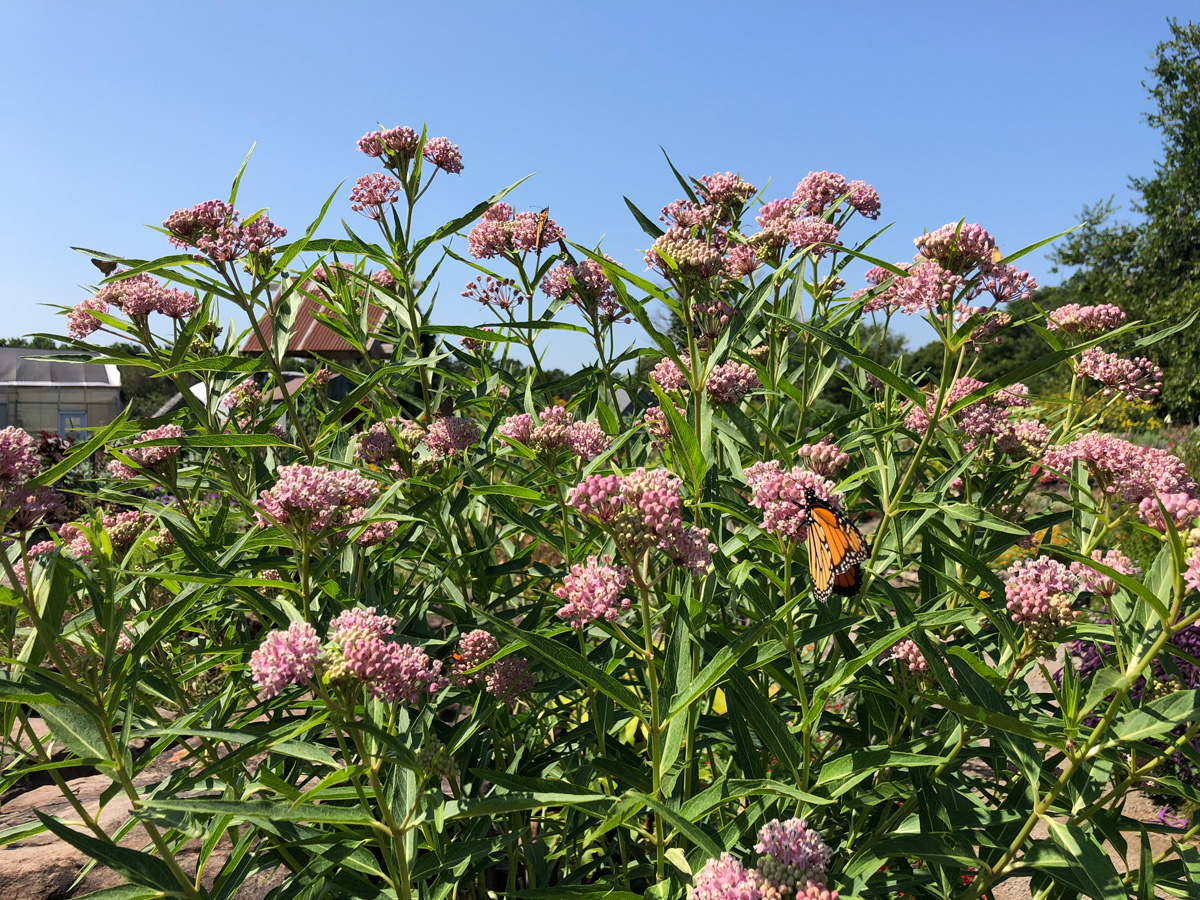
(836, 551)
(539, 233)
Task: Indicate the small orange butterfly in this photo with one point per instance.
(540, 233)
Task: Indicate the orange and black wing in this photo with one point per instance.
(539, 235)
(836, 551)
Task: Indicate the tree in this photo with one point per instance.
(1151, 268)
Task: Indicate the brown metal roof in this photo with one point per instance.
(310, 337)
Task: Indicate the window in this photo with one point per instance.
(4, 415)
(72, 424)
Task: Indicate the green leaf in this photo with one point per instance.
(884, 374)
(478, 210)
(647, 224)
(685, 827)
(140, 868)
(517, 801)
(75, 730)
(269, 811)
(1077, 860)
(1159, 716)
(570, 662)
(708, 678)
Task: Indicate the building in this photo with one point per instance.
(56, 395)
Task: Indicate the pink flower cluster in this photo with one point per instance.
(824, 458)
(38, 549)
(986, 416)
(214, 228)
(794, 846)
(137, 295)
(1191, 574)
(1024, 439)
(1040, 593)
(793, 864)
(667, 374)
(400, 141)
(147, 457)
(315, 498)
(1086, 321)
(285, 658)
(592, 591)
(499, 231)
(818, 191)
(783, 496)
(692, 256)
(389, 671)
(655, 422)
(450, 434)
(1126, 471)
(474, 649)
(731, 381)
(812, 233)
(1091, 579)
(725, 190)
(373, 193)
(644, 509)
(242, 396)
(1182, 507)
(951, 260)
(443, 154)
(584, 439)
(19, 460)
(1136, 379)
(498, 294)
(910, 657)
(741, 260)
(389, 442)
(587, 287)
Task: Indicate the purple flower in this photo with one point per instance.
(516, 428)
(443, 154)
(284, 658)
(593, 591)
(147, 457)
(388, 670)
(242, 396)
(585, 286)
(372, 193)
(178, 304)
(36, 550)
(775, 220)
(655, 422)
(818, 191)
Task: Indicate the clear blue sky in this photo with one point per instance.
(1010, 114)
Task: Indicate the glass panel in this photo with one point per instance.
(3, 415)
(72, 424)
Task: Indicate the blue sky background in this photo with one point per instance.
(1009, 114)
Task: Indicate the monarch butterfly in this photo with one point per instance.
(540, 232)
(836, 551)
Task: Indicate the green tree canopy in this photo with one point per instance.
(1151, 268)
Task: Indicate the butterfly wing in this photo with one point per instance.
(539, 235)
(106, 267)
(836, 551)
